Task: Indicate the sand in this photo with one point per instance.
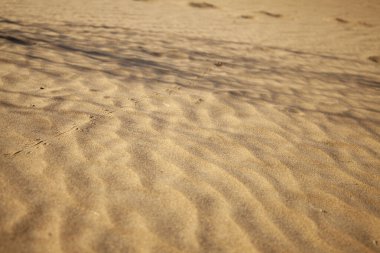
(189, 126)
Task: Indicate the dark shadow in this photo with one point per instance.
(16, 40)
(127, 55)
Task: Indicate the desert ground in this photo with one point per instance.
(183, 126)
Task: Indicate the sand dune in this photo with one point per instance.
(180, 126)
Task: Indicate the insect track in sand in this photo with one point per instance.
(27, 149)
(175, 89)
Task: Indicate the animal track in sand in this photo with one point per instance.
(85, 127)
(202, 75)
(199, 100)
(203, 5)
(344, 21)
(169, 91)
(173, 90)
(365, 24)
(39, 141)
(218, 64)
(341, 20)
(375, 59)
(270, 14)
(246, 17)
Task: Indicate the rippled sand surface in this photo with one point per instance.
(179, 126)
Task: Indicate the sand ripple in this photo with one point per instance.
(117, 139)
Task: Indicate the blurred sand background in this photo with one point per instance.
(171, 126)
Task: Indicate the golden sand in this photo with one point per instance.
(180, 126)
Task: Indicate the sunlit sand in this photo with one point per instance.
(189, 126)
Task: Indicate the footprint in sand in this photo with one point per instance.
(246, 17)
(341, 20)
(28, 148)
(202, 5)
(375, 59)
(170, 91)
(270, 14)
(134, 101)
(173, 90)
(219, 64)
(344, 21)
(199, 100)
(365, 24)
(107, 111)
